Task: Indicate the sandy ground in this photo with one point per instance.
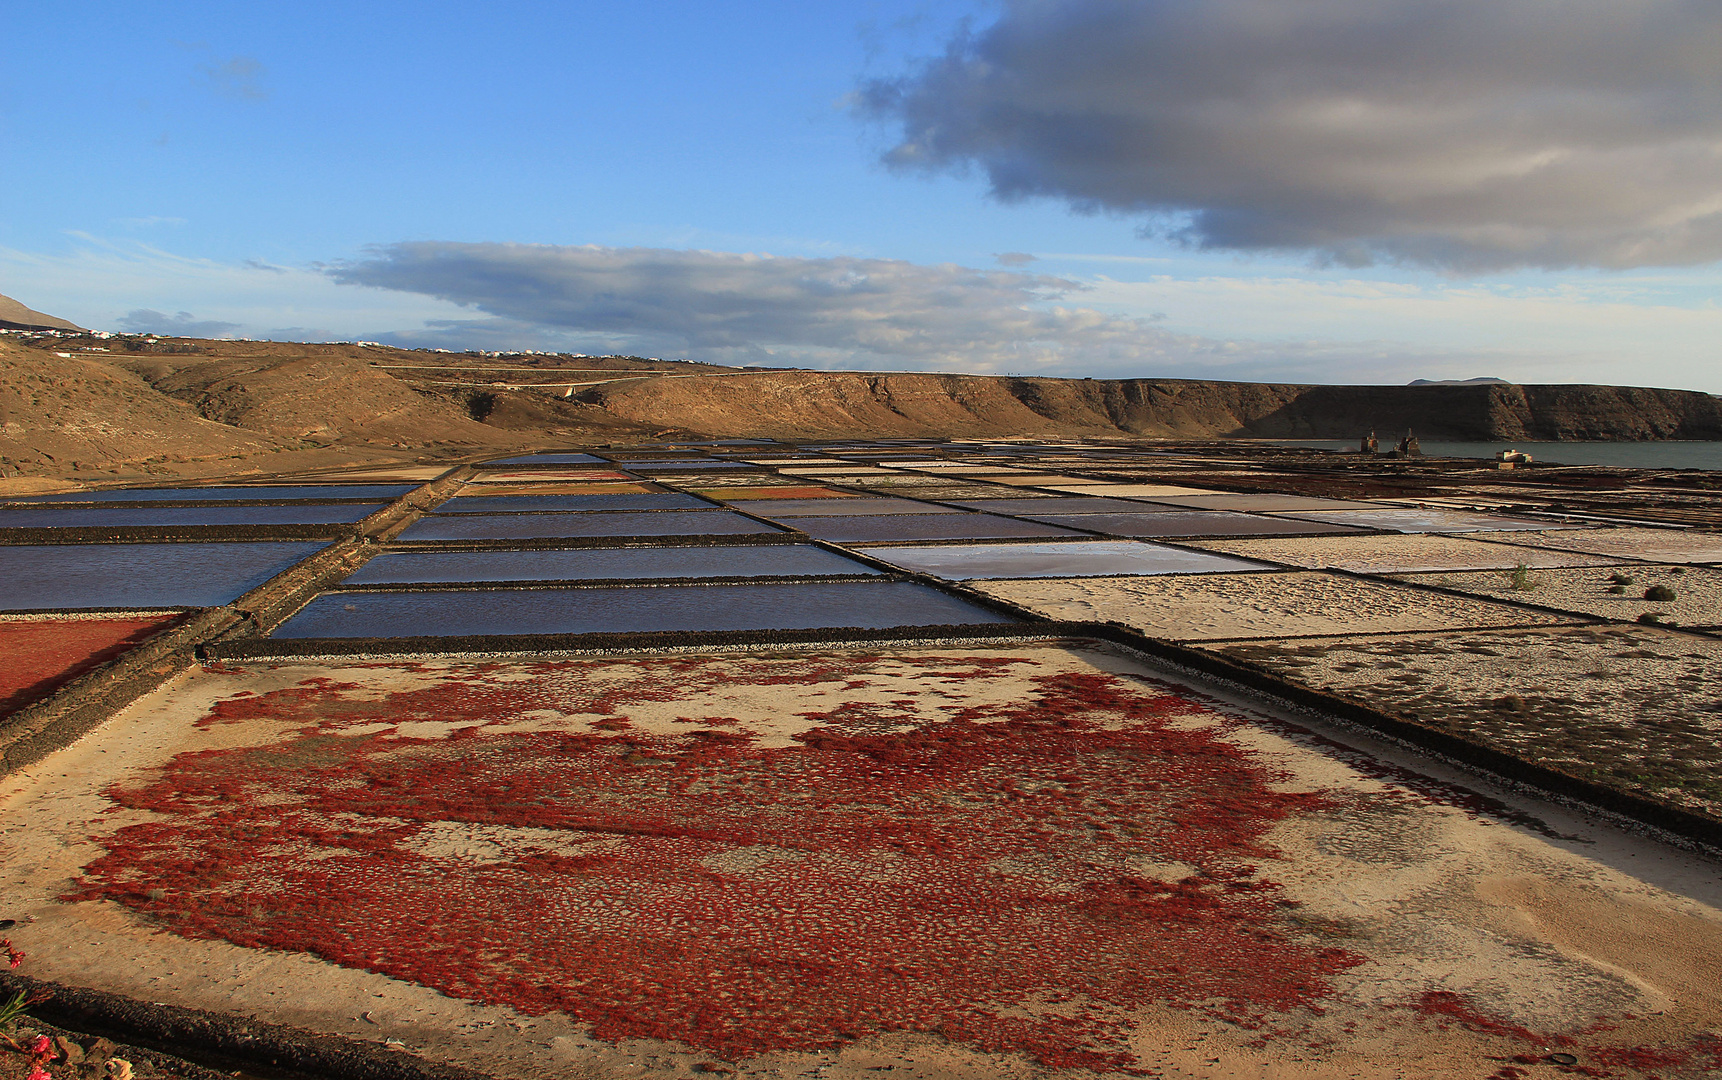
(1065, 862)
(1423, 520)
(1397, 554)
(1208, 607)
(1697, 591)
(1650, 545)
(1633, 707)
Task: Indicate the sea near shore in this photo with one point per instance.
(1625, 455)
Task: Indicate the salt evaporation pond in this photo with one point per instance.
(149, 517)
(631, 609)
(605, 523)
(259, 493)
(119, 576)
(598, 564)
(516, 504)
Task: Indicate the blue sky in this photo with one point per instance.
(341, 171)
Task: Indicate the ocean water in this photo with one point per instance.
(1624, 455)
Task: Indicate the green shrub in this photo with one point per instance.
(1659, 593)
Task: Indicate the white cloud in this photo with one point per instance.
(1465, 134)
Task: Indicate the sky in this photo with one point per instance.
(1266, 190)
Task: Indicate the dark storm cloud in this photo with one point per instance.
(717, 305)
(1467, 134)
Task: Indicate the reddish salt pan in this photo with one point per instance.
(38, 656)
(971, 876)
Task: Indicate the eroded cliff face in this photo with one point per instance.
(843, 404)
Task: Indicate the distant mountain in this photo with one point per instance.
(1458, 382)
(15, 316)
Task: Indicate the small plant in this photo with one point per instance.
(1520, 580)
(1659, 593)
(1651, 618)
(1617, 589)
(1677, 570)
(1619, 578)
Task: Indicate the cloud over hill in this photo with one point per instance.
(746, 308)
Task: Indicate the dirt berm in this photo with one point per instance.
(841, 404)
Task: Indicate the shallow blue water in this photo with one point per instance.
(119, 576)
(261, 493)
(846, 530)
(86, 517)
(598, 564)
(518, 504)
(464, 612)
(602, 523)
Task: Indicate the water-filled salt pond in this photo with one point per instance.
(860, 506)
(1042, 506)
(101, 517)
(516, 504)
(237, 493)
(605, 523)
(597, 564)
(119, 576)
(632, 609)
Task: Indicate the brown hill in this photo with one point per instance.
(89, 408)
(844, 404)
(15, 316)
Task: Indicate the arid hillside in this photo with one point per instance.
(826, 404)
(81, 408)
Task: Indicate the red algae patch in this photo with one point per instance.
(937, 843)
(38, 655)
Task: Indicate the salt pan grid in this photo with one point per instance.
(123, 576)
(1085, 1023)
(631, 610)
(595, 564)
